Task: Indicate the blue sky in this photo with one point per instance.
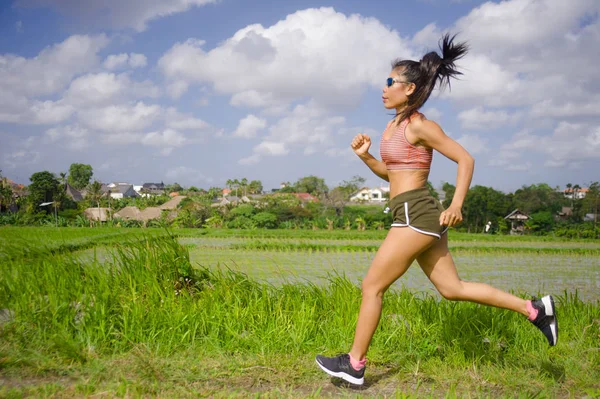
(201, 91)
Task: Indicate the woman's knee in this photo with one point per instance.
(372, 289)
(453, 292)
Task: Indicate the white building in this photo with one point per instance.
(367, 194)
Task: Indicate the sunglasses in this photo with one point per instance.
(390, 82)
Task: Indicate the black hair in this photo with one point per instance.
(429, 71)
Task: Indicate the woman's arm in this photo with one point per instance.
(430, 134)
(376, 166)
(361, 144)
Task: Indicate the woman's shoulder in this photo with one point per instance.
(419, 123)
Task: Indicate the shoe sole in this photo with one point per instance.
(548, 302)
(343, 376)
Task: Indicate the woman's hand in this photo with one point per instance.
(361, 144)
(451, 216)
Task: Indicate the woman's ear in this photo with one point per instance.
(410, 89)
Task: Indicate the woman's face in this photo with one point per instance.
(396, 91)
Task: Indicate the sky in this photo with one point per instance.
(201, 91)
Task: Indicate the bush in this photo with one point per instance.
(265, 220)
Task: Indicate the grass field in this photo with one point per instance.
(221, 313)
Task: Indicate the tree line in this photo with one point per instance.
(549, 210)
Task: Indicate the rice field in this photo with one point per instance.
(221, 313)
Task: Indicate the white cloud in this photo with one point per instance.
(570, 144)
(253, 99)
(522, 23)
(166, 138)
(249, 126)
(302, 56)
(118, 13)
(19, 26)
(20, 110)
(432, 114)
(137, 60)
(120, 61)
(122, 138)
(271, 148)
(119, 118)
(473, 143)
(184, 173)
(251, 160)
(21, 158)
(52, 69)
(513, 43)
(480, 118)
(307, 127)
(107, 88)
(177, 89)
(177, 120)
(73, 137)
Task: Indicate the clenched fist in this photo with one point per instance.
(361, 144)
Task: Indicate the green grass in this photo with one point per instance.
(146, 322)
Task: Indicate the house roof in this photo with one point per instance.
(150, 213)
(96, 214)
(306, 197)
(158, 186)
(128, 213)
(516, 215)
(579, 190)
(173, 203)
(73, 193)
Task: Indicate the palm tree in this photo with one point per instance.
(63, 179)
(569, 191)
(94, 194)
(244, 184)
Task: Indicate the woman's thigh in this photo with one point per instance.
(437, 263)
(395, 255)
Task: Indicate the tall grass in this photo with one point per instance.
(148, 293)
(290, 246)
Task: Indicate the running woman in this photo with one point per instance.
(418, 231)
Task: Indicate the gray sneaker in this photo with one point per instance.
(546, 319)
(340, 367)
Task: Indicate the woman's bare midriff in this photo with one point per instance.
(406, 180)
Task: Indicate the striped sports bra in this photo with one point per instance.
(398, 153)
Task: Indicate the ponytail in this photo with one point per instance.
(429, 71)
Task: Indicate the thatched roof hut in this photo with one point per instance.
(517, 220)
(149, 214)
(173, 203)
(128, 213)
(100, 214)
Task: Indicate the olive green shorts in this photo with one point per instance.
(418, 210)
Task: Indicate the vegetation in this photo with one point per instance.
(550, 212)
(143, 321)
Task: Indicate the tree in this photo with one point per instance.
(44, 187)
(483, 204)
(175, 187)
(338, 197)
(312, 185)
(591, 202)
(255, 187)
(432, 191)
(94, 193)
(6, 194)
(244, 185)
(449, 190)
(538, 197)
(63, 179)
(80, 175)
